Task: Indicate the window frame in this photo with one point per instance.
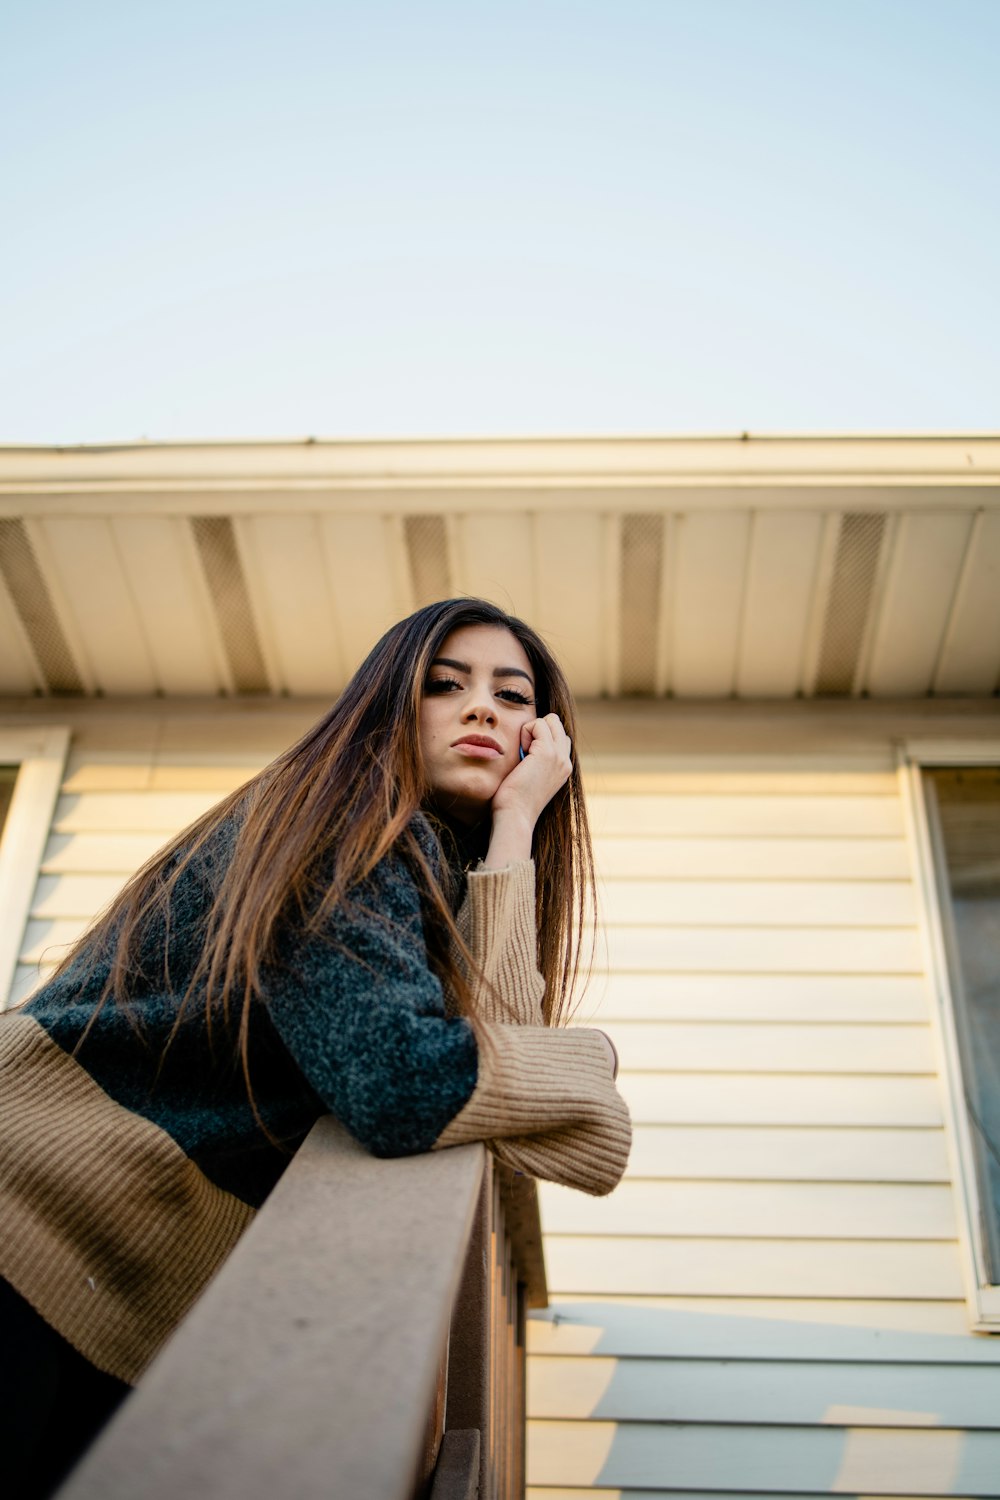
(982, 1295)
(40, 756)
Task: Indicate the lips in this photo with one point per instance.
(479, 746)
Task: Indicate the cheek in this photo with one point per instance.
(434, 728)
(425, 731)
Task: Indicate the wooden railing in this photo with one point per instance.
(365, 1340)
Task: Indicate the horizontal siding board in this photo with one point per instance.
(213, 739)
(771, 1153)
(754, 1268)
(800, 950)
(111, 773)
(762, 1210)
(779, 775)
(129, 775)
(48, 942)
(219, 779)
(118, 812)
(755, 997)
(73, 895)
(723, 903)
(770, 1459)
(902, 1331)
(99, 853)
(775, 1099)
(765, 1391)
(728, 817)
(772, 1047)
(728, 858)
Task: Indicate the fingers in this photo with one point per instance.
(548, 729)
(547, 738)
(545, 767)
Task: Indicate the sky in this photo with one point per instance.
(427, 218)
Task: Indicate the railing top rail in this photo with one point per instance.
(309, 1365)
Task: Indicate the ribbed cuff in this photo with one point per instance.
(546, 1102)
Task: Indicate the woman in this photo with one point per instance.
(384, 924)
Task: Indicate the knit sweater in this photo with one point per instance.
(132, 1161)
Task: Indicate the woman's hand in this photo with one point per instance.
(527, 789)
(547, 765)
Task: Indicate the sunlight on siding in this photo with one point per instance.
(884, 1461)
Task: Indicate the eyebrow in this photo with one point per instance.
(463, 666)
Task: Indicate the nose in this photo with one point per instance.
(479, 713)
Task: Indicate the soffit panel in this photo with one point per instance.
(970, 658)
(168, 591)
(94, 585)
(365, 562)
(572, 611)
(708, 582)
(780, 588)
(43, 616)
(920, 586)
(496, 560)
(293, 602)
(18, 673)
(688, 568)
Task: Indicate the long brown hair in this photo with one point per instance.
(338, 800)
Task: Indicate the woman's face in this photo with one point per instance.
(479, 693)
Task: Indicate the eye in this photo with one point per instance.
(514, 695)
(442, 685)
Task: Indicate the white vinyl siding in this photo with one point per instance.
(773, 1301)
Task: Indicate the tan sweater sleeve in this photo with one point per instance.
(545, 1099)
(546, 1103)
(497, 923)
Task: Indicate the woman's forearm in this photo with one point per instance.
(510, 840)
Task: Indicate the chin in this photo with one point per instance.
(470, 804)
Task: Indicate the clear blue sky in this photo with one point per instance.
(425, 217)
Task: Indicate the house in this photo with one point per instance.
(788, 652)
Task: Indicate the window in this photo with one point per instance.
(956, 799)
(31, 765)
